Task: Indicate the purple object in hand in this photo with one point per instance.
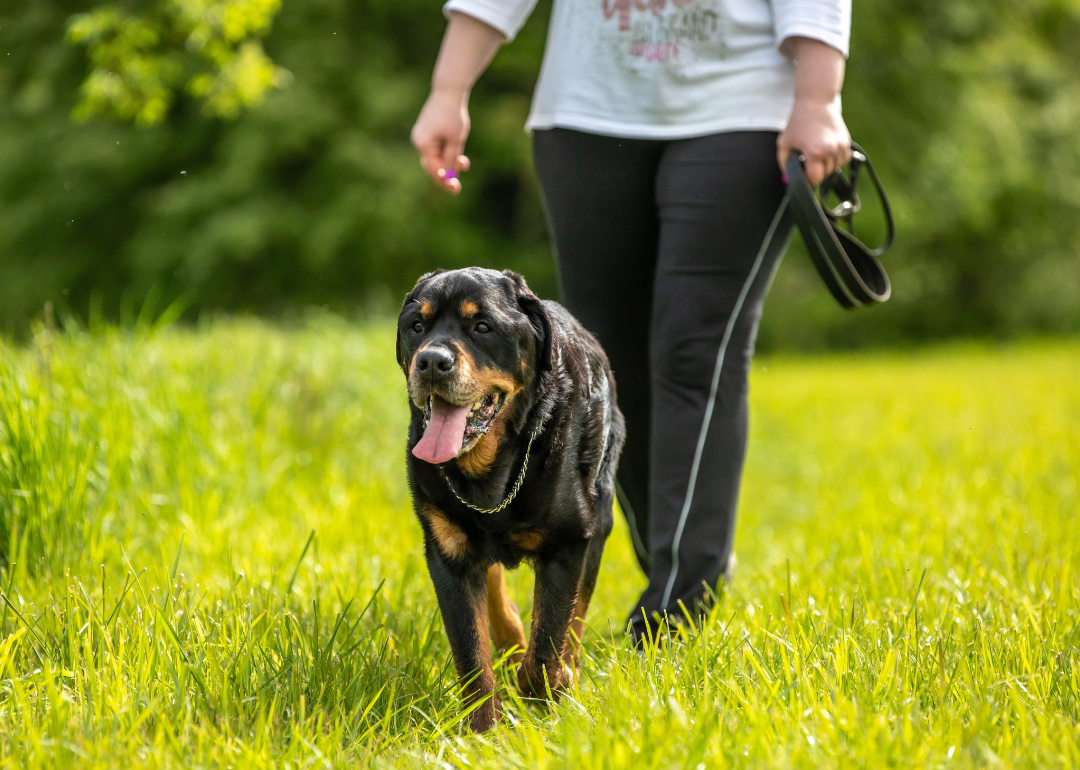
(451, 174)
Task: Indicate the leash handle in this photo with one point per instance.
(850, 204)
(849, 268)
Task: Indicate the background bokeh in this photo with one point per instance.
(969, 109)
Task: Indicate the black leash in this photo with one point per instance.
(849, 267)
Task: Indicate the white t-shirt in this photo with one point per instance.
(667, 69)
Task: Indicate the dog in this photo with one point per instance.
(514, 439)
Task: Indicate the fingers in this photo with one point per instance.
(836, 159)
(818, 163)
(439, 137)
(448, 178)
(845, 154)
(822, 164)
(442, 160)
(815, 171)
(442, 166)
(431, 161)
(447, 172)
(449, 175)
(451, 166)
(451, 151)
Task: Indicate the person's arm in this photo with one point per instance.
(816, 128)
(443, 125)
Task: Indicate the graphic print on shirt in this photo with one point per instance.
(664, 31)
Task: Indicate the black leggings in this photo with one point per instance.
(666, 250)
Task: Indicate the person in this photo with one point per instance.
(660, 129)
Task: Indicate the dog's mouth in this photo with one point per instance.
(479, 417)
(451, 430)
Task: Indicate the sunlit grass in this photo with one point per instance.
(907, 592)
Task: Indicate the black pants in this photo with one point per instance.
(666, 250)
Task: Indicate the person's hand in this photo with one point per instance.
(443, 126)
(816, 127)
(817, 130)
(439, 136)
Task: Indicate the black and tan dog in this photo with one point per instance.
(513, 443)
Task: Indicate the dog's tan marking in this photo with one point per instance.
(466, 365)
(477, 461)
(451, 540)
(487, 713)
(427, 309)
(489, 380)
(506, 628)
(413, 378)
(469, 309)
(572, 652)
(412, 366)
(537, 666)
(529, 540)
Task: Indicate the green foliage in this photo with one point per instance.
(206, 47)
(907, 593)
(315, 198)
(970, 110)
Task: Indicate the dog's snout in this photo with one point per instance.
(435, 362)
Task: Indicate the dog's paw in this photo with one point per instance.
(535, 678)
(485, 715)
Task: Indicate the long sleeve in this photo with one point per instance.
(826, 20)
(507, 16)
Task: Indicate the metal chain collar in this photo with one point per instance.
(517, 486)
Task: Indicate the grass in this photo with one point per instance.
(210, 561)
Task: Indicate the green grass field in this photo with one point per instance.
(907, 593)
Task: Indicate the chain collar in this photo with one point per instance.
(517, 485)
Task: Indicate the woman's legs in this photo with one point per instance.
(600, 197)
(723, 229)
(665, 251)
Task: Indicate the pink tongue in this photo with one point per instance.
(445, 432)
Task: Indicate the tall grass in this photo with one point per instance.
(210, 560)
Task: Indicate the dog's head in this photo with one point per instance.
(470, 342)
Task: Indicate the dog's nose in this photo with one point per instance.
(438, 362)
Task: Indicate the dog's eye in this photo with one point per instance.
(418, 327)
(482, 328)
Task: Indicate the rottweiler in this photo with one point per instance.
(514, 438)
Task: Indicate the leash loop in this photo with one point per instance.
(517, 485)
(848, 266)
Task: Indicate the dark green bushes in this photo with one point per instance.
(969, 110)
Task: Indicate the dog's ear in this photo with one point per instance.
(532, 307)
(420, 283)
(409, 299)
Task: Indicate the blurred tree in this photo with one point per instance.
(316, 198)
(968, 108)
(971, 110)
(207, 47)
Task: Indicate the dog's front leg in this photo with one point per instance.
(461, 588)
(558, 580)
